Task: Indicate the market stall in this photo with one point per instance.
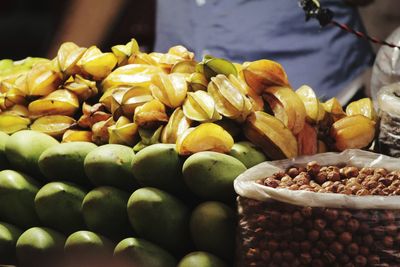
(126, 158)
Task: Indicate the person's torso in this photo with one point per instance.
(247, 30)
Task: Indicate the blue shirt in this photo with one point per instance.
(327, 59)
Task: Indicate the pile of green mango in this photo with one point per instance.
(152, 208)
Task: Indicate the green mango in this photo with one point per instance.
(39, 245)
(210, 175)
(160, 218)
(58, 204)
(17, 194)
(4, 164)
(247, 153)
(212, 228)
(139, 252)
(87, 242)
(159, 166)
(65, 162)
(24, 148)
(201, 259)
(9, 235)
(104, 211)
(111, 165)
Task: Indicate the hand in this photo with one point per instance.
(358, 2)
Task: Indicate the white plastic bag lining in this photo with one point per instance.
(246, 186)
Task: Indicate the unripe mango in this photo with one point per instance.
(160, 218)
(159, 166)
(104, 211)
(65, 162)
(212, 227)
(82, 242)
(247, 153)
(111, 165)
(39, 245)
(201, 259)
(17, 194)
(9, 235)
(210, 175)
(58, 204)
(24, 148)
(139, 252)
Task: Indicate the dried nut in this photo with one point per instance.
(321, 177)
(336, 248)
(360, 260)
(297, 218)
(331, 214)
(364, 251)
(353, 225)
(293, 172)
(368, 240)
(328, 235)
(373, 260)
(349, 172)
(345, 238)
(352, 249)
(271, 182)
(305, 258)
(313, 235)
(388, 242)
(319, 224)
(333, 176)
(339, 226)
(313, 168)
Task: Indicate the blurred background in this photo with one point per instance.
(37, 28)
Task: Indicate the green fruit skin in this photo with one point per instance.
(210, 175)
(38, 245)
(24, 148)
(159, 166)
(160, 218)
(65, 162)
(247, 153)
(201, 259)
(111, 165)
(139, 252)
(9, 235)
(58, 204)
(4, 164)
(86, 242)
(212, 227)
(104, 211)
(17, 194)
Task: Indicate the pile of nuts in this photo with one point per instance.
(279, 234)
(335, 179)
(274, 233)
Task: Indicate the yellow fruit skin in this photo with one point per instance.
(293, 114)
(356, 131)
(77, 136)
(59, 102)
(205, 137)
(364, 107)
(150, 114)
(264, 73)
(176, 125)
(53, 125)
(271, 135)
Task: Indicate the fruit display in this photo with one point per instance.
(108, 205)
(133, 98)
(131, 156)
